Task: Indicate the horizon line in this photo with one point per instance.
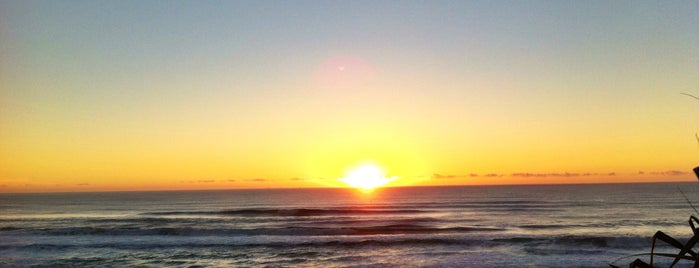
(351, 188)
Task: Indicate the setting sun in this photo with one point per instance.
(366, 177)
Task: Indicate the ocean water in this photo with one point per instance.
(465, 226)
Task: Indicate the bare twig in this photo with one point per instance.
(687, 94)
(687, 199)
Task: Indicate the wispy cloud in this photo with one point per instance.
(527, 175)
(440, 176)
(452, 176)
(543, 175)
(669, 173)
(199, 181)
(567, 174)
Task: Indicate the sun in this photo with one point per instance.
(366, 177)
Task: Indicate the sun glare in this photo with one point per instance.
(366, 177)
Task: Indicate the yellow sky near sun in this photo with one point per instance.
(310, 135)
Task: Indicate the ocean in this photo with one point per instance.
(456, 226)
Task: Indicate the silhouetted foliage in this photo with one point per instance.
(686, 250)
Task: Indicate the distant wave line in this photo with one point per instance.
(297, 212)
(578, 242)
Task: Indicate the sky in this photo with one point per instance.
(168, 95)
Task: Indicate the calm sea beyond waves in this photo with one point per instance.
(464, 226)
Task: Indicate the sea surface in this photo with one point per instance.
(465, 226)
